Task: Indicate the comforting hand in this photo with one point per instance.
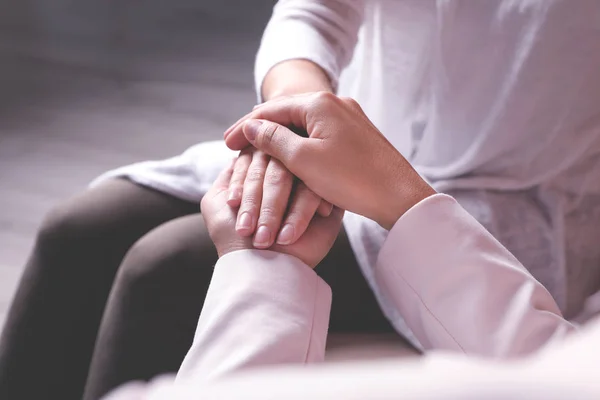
(345, 159)
(220, 221)
(261, 187)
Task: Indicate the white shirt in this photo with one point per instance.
(494, 102)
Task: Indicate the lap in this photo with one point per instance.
(117, 210)
(171, 247)
(179, 256)
(153, 308)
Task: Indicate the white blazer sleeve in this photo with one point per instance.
(459, 289)
(563, 371)
(322, 31)
(262, 308)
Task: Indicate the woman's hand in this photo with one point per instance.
(345, 159)
(220, 221)
(261, 187)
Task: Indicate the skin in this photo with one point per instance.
(273, 207)
(344, 160)
(220, 221)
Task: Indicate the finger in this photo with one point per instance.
(238, 177)
(279, 98)
(277, 187)
(325, 208)
(248, 116)
(252, 194)
(327, 227)
(220, 184)
(320, 235)
(289, 111)
(331, 225)
(279, 142)
(301, 211)
(337, 214)
(236, 124)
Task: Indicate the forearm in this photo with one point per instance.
(294, 77)
(262, 308)
(306, 45)
(568, 370)
(459, 289)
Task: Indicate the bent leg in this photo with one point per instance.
(49, 335)
(153, 309)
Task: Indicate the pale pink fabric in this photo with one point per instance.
(262, 308)
(458, 288)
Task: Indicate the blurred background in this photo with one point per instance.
(89, 85)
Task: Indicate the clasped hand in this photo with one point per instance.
(345, 162)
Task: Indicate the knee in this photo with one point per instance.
(60, 227)
(156, 263)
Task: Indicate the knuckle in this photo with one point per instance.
(249, 207)
(236, 180)
(238, 177)
(300, 217)
(250, 202)
(277, 176)
(238, 169)
(350, 101)
(269, 132)
(254, 175)
(269, 213)
(235, 186)
(302, 214)
(324, 97)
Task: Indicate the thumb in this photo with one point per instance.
(277, 141)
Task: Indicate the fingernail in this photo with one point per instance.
(245, 221)
(251, 128)
(262, 237)
(329, 210)
(235, 194)
(286, 235)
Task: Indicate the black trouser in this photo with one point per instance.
(113, 289)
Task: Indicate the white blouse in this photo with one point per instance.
(495, 102)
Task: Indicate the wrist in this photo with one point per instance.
(294, 89)
(233, 245)
(405, 197)
(294, 77)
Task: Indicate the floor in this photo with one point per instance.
(86, 86)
